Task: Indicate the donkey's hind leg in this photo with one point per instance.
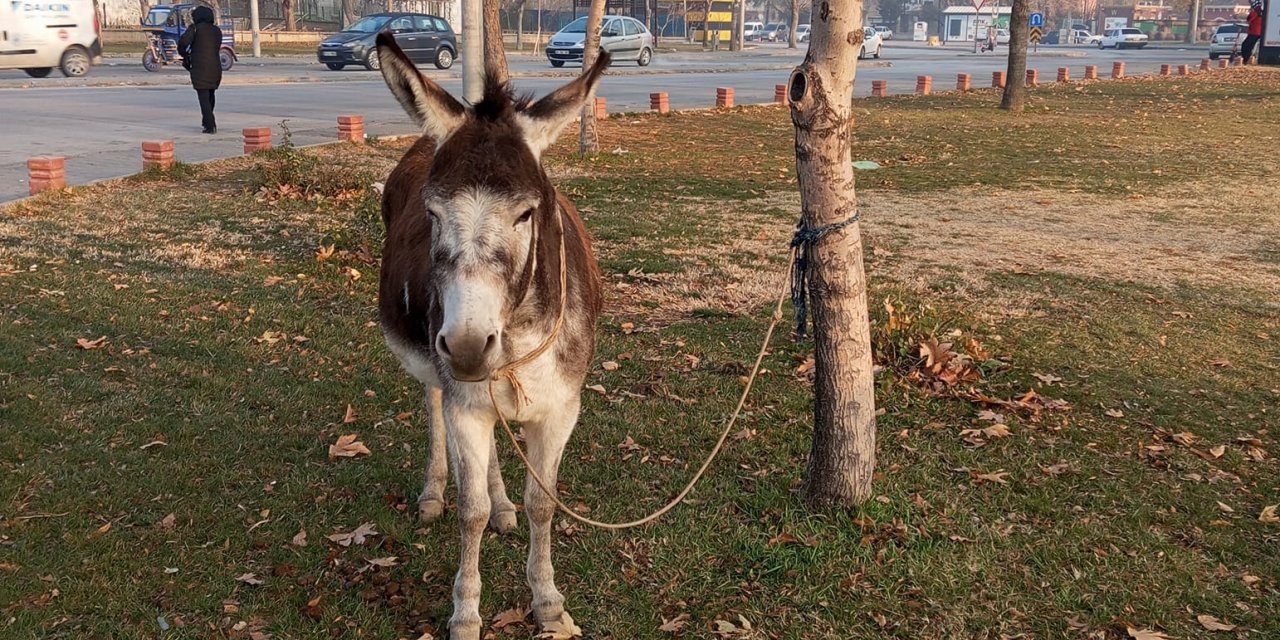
(502, 514)
(431, 502)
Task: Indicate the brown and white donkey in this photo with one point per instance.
(470, 282)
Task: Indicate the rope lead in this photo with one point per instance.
(802, 241)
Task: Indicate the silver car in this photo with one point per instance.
(623, 37)
(1225, 40)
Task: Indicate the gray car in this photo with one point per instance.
(623, 37)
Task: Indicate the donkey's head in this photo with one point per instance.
(488, 200)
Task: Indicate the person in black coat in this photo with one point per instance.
(199, 47)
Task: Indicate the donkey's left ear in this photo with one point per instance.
(543, 120)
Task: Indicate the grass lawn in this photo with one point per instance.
(178, 352)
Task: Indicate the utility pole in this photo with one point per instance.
(472, 50)
(253, 28)
(1193, 21)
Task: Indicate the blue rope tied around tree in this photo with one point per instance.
(801, 242)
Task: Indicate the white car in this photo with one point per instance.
(1081, 36)
(39, 37)
(1123, 38)
(1002, 36)
(885, 32)
(752, 30)
(871, 44)
(802, 33)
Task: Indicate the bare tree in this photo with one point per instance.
(495, 53)
(1015, 87)
(587, 141)
(518, 8)
(290, 15)
(842, 458)
(795, 22)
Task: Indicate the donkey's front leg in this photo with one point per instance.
(431, 501)
(470, 440)
(546, 441)
(503, 516)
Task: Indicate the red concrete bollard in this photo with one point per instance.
(602, 112)
(964, 82)
(1091, 72)
(45, 173)
(1223, 63)
(724, 97)
(1033, 77)
(1237, 61)
(1166, 69)
(257, 139)
(1064, 74)
(924, 85)
(1117, 70)
(1184, 69)
(997, 79)
(780, 94)
(351, 129)
(158, 154)
(879, 88)
(659, 102)
(1204, 64)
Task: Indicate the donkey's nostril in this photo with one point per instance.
(490, 342)
(442, 346)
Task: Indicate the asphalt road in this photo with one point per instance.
(98, 122)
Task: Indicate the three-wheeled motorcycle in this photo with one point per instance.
(165, 24)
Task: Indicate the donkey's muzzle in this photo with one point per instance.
(469, 355)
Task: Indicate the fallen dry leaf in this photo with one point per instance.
(1146, 634)
(169, 521)
(1217, 451)
(675, 624)
(515, 615)
(1055, 470)
(1115, 413)
(609, 365)
(562, 629)
(349, 416)
(8, 567)
(347, 447)
(356, 537)
(1047, 378)
(997, 430)
(997, 477)
(249, 579)
(1213, 624)
(1225, 508)
(598, 389)
(91, 344)
(324, 253)
(1268, 515)
(299, 540)
(426, 635)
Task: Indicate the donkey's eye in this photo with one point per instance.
(524, 217)
(431, 213)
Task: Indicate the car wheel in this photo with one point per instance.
(862, 53)
(335, 66)
(878, 47)
(1100, 47)
(75, 62)
(39, 72)
(371, 61)
(149, 61)
(557, 63)
(444, 58)
(646, 56)
(226, 59)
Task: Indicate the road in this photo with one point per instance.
(98, 122)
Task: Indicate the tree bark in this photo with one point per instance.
(1015, 80)
(795, 22)
(1193, 21)
(842, 458)
(290, 16)
(495, 53)
(587, 140)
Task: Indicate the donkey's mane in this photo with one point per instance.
(500, 101)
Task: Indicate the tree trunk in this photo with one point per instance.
(739, 25)
(795, 22)
(1015, 80)
(1193, 21)
(495, 53)
(290, 16)
(348, 13)
(587, 141)
(842, 458)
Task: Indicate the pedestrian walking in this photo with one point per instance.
(1254, 31)
(199, 47)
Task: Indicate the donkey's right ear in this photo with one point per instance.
(437, 112)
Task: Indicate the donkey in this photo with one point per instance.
(471, 281)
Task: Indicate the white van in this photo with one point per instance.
(38, 35)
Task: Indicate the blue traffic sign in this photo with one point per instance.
(1036, 20)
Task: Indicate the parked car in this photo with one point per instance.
(38, 37)
(1082, 36)
(423, 38)
(752, 30)
(1052, 37)
(623, 37)
(1124, 38)
(871, 43)
(1225, 40)
(885, 33)
(775, 32)
(1002, 36)
(802, 33)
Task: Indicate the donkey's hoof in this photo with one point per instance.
(464, 630)
(429, 509)
(550, 610)
(503, 521)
